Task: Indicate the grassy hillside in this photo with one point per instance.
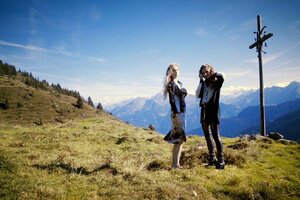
(103, 158)
(31, 106)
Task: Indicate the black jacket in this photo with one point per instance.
(211, 110)
(174, 90)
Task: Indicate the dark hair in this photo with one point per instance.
(212, 71)
(212, 79)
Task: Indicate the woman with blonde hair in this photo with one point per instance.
(173, 89)
(208, 91)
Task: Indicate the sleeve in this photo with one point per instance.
(198, 90)
(220, 80)
(172, 98)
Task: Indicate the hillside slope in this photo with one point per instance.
(103, 158)
(28, 105)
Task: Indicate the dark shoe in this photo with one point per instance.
(212, 163)
(220, 165)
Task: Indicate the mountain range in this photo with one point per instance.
(239, 115)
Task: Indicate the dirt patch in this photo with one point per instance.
(125, 139)
(239, 145)
(156, 165)
(156, 140)
(193, 158)
(234, 158)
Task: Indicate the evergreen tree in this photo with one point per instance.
(79, 103)
(99, 107)
(90, 102)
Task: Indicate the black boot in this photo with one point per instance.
(212, 161)
(220, 165)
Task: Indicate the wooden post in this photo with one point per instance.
(258, 44)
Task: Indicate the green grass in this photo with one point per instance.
(103, 158)
(31, 106)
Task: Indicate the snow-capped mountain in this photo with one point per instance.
(273, 95)
(155, 110)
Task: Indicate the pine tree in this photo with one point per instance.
(99, 107)
(90, 102)
(79, 103)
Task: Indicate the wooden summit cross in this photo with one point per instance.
(260, 39)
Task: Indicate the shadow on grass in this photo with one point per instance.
(60, 164)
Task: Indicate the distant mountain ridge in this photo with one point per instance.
(156, 111)
(248, 121)
(143, 111)
(273, 95)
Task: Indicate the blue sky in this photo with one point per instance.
(117, 49)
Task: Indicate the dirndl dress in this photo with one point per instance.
(177, 133)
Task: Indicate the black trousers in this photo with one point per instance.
(211, 138)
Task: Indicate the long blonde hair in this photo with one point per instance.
(168, 78)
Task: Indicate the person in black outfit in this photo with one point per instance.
(209, 93)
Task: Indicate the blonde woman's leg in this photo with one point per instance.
(176, 153)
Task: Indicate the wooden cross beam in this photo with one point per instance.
(258, 44)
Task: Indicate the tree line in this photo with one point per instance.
(30, 80)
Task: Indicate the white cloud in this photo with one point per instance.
(54, 50)
(285, 63)
(155, 78)
(33, 21)
(57, 77)
(236, 74)
(252, 61)
(295, 27)
(95, 14)
(266, 58)
(282, 84)
(248, 25)
(100, 60)
(271, 57)
(27, 47)
(234, 90)
(201, 32)
(110, 93)
(293, 68)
